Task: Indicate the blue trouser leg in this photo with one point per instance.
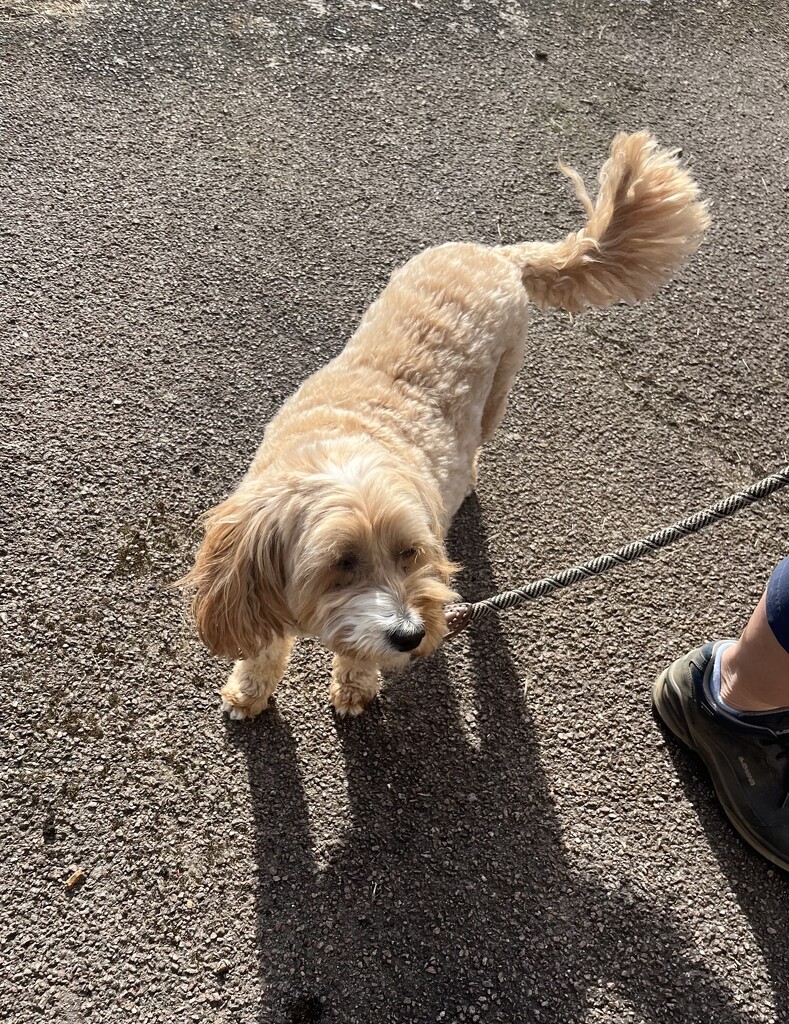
(778, 603)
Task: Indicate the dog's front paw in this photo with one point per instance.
(352, 686)
(245, 694)
(238, 714)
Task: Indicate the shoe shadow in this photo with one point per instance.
(758, 886)
(448, 897)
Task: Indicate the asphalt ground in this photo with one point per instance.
(198, 200)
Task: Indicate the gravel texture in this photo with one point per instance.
(199, 198)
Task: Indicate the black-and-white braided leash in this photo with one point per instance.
(462, 614)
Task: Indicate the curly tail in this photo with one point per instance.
(647, 221)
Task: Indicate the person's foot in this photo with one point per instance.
(747, 755)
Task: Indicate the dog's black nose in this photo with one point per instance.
(406, 636)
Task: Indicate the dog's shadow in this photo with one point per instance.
(448, 897)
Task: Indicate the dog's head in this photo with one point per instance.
(344, 542)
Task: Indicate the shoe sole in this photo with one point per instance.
(664, 711)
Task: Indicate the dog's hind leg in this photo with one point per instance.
(353, 684)
(472, 482)
(496, 405)
(253, 680)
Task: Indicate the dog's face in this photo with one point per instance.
(346, 544)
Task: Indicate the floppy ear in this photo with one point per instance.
(238, 579)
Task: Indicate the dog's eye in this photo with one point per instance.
(408, 554)
(347, 563)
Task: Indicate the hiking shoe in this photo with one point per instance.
(748, 759)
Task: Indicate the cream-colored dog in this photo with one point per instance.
(337, 529)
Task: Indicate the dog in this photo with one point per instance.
(337, 529)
